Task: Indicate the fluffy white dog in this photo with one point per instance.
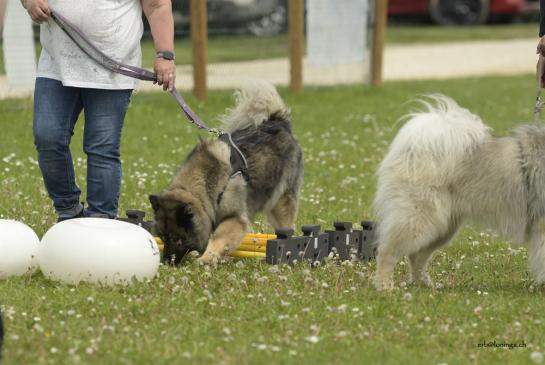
(444, 170)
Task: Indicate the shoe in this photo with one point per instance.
(80, 215)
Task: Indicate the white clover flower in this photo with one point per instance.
(536, 357)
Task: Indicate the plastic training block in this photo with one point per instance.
(275, 252)
(368, 250)
(137, 217)
(285, 249)
(316, 244)
(343, 241)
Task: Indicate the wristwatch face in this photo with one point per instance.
(166, 55)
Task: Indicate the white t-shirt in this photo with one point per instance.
(113, 26)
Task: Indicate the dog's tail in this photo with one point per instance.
(432, 144)
(255, 103)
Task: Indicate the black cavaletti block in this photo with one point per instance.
(137, 217)
(343, 241)
(277, 252)
(312, 247)
(367, 251)
(285, 249)
(316, 244)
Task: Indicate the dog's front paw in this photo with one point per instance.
(209, 258)
(384, 284)
(426, 280)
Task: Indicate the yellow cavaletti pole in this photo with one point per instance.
(247, 254)
(253, 245)
(256, 248)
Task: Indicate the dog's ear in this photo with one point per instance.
(155, 202)
(184, 216)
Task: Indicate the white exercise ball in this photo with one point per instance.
(98, 250)
(18, 248)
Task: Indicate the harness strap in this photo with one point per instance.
(239, 164)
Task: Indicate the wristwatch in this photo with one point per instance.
(167, 55)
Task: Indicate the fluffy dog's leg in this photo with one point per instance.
(415, 231)
(536, 253)
(283, 214)
(419, 260)
(387, 258)
(418, 245)
(225, 239)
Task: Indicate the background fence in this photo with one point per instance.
(344, 44)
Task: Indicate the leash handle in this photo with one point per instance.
(77, 36)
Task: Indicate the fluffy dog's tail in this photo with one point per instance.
(257, 102)
(432, 144)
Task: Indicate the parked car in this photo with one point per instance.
(463, 12)
(259, 17)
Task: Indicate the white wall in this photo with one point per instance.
(18, 44)
(336, 31)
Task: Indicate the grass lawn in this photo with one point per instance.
(404, 34)
(244, 47)
(246, 312)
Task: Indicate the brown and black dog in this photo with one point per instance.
(210, 202)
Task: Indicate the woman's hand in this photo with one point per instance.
(37, 9)
(166, 73)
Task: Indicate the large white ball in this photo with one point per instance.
(18, 246)
(98, 250)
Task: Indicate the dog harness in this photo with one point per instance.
(237, 159)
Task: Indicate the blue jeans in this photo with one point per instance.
(56, 110)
